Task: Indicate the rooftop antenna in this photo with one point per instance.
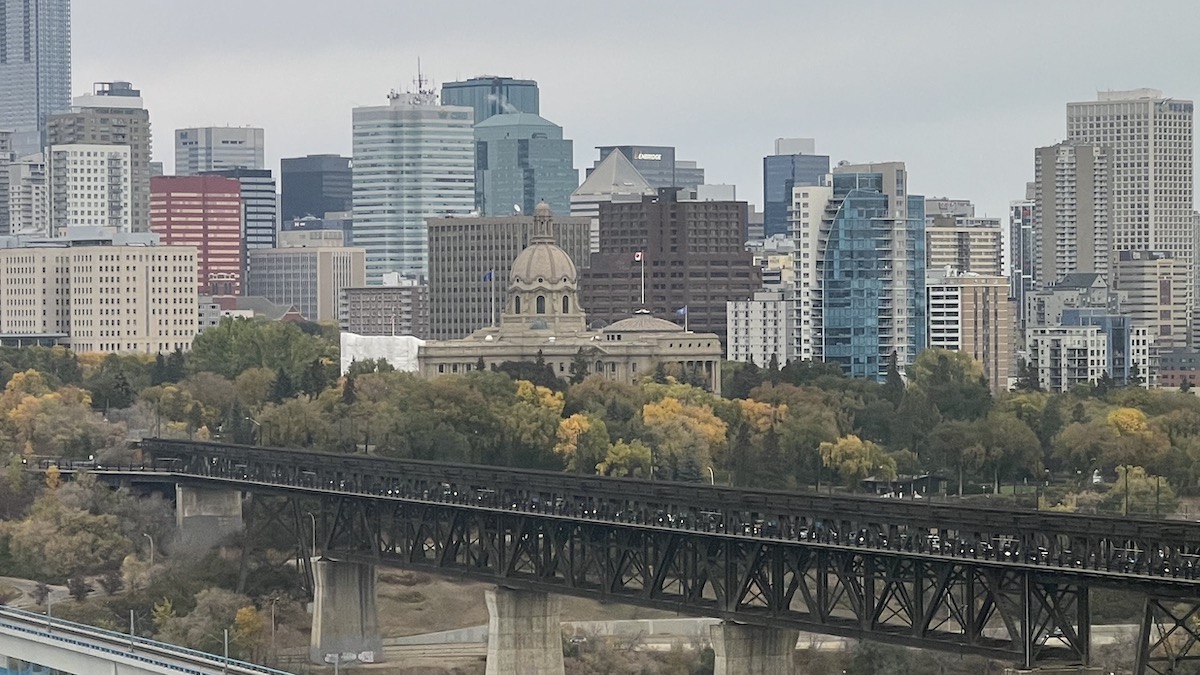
(421, 81)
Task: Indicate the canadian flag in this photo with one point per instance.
(637, 257)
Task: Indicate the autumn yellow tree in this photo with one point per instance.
(855, 459)
(626, 459)
(685, 437)
(247, 634)
(582, 442)
(1136, 441)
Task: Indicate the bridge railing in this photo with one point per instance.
(1162, 549)
(122, 644)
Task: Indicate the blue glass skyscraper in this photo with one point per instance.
(35, 68)
(783, 171)
(872, 270)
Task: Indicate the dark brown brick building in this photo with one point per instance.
(694, 257)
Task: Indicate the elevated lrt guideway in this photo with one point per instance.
(1003, 583)
(83, 650)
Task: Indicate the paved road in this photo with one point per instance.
(26, 587)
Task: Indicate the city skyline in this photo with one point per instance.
(965, 126)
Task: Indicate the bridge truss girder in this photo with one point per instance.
(950, 605)
(1170, 635)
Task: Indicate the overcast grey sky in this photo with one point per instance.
(961, 90)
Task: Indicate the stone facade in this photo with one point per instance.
(542, 318)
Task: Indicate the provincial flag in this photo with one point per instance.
(488, 275)
(682, 311)
(637, 257)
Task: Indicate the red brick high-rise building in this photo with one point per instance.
(205, 212)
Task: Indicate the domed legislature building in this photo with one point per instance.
(542, 314)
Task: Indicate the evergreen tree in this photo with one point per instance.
(349, 393)
(284, 388)
(158, 373)
(579, 367)
(893, 384)
(1027, 377)
(480, 365)
(745, 378)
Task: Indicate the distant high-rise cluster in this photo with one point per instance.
(1090, 274)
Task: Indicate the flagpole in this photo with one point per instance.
(642, 260)
(493, 296)
(685, 318)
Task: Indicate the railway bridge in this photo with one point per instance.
(1006, 584)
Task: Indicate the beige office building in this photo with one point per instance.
(1072, 218)
(972, 314)
(960, 244)
(1154, 287)
(309, 277)
(1151, 137)
(470, 259)
(112, 299)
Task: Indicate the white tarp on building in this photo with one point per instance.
(398, 350)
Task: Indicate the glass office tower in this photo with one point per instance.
(35, 69)
(781, 173)
(489, 95)
(522, 159)
(873, 272)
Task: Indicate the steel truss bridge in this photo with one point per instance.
(1006, 584)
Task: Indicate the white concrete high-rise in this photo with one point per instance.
(28, 197)
(217, 149)
(90, 185)
(1151, 137)
(758, 329)
(113, 114)
(413, 160)
(35, 68)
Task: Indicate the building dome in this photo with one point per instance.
(642, 323)
(543, 264)
(544, 284)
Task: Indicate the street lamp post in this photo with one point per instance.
(314, 533)
(151, 547)
(712, 477)
(273, 601)
(257, 427)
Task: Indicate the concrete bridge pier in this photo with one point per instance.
(205, 516)
(524, 633)
(345, 617)
(753, 650)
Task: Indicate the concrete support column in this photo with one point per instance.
(206, 516)
(524, 633)
(345, 617)
(753, 650)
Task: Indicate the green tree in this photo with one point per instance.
(743, 379)
(953, 382)
(1005, 447)
(1136, 492)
